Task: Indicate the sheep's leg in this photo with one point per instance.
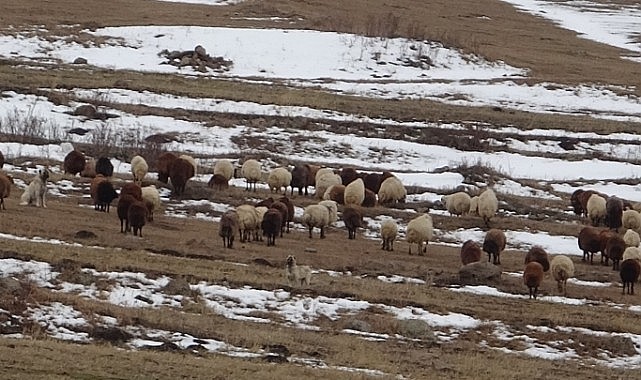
(43, 202)
(322, 234)
(310, 232)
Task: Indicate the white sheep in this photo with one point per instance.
(323, 171)
(488, 205)
(562, 269)
(419, 231)
(192, 161)
(354, 192)
(151, 198)
(457, 203)
(596, 209)
(320, 216)
(297, 274)
(36, 191)
(248, 221)
(631, 238)
(389, 230)
(224, 168)
(260, 213)
(391, 191)
(631, 219)
(632, 253)
(251, 172)
(139, 169)
(279, 177)
(325, 180)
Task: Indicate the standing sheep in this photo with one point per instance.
(225, 169)
(391, 191)
(370, 198)
(584, 197)
(320, 216)
(250, 170)
(151, 198)
(614, 248)
(124, 202)
(192, 161)
(575, 201)
(301, 178)
(348, 175)
(325, 179)
(562, 269)
(139, 169)
(353, 218)
(133, 189)
(218, 182)
(354, 192)
(419, 231)
(389, 230)
(227, 228)
(457, 203)
(5, 188)
(104, 167)
(163, 164)
(105, 194)
(631, 238)
(137, 216)
(93, 190)
(532, 277)
(474, 206)
(538, 254)
(629, 273)
(631, 219)
(589, 242)
(248, 221)
(470, 252)
(596, 209)
(335, 193)
(74, 162)
(614, 213)
(632, 253)
(278, 178)
(290, 210)
(488, 205)
(333, 210)
(180, 172)
(284, 213)
(494, 243)
(373, 182)
(272, 225)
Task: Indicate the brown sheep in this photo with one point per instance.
(373, 182)
(348, 175)
(218, 182)
(104, 167)
(300, 179)
(271, 224)
(180, 171)
(532, 277)
(93, 189)
(74, 162)
(227, 227)
(539, 255)
(313, 169)
(576, 202)
(494, 244)
(162, 165)
(284, 212)
(105, 195)
(265, 202)
(629, 273)
(614, 213)
(123, 211)
(335, 193)
(90, 169)
(370, 198)
(470, 252)
(590, 242)
(1, 160)
(585, 196)
(290, 210)
(614, 248)
(133, 189)
(137, 216)
(353, 218)
(5, 188)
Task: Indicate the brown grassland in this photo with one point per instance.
(189, 248)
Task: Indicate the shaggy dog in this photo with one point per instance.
(297, 274)
(35, 192)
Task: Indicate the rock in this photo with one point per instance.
(201, 51)
(358, 325)
(86, 110)
(264, 262)
(416, 329)
(479, 273)
(78, 131)
(178, 285)
(83, 234)
(111, 334)
(80, 61)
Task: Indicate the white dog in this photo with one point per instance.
(35, 192)
(297, 275)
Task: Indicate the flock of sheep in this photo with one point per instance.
(352, 190)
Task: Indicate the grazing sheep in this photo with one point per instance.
(494, 243)
(354, 192)
(74, 162)
(5, 188)
(325, 178)
(614, 213)
(90, 169)
(629, 273)
(319, 216)
(353, 218)
(36, 192)
(104, 167)
(132, 189)
(139, 169)
(163, 164)
(313, 170)
(93, 189)
(575, 201)
(218, 182)
(470, 252)
(596, 209)
(631, 219)
(474, 206)
(589, 242)
(584, 197)
(277, 178)
(251, 172)
(389, 229)
(271, 225)
(290, 210)
(225, 169)
(248, 221)
(284, 213)
(180, 172)
(419, 231)
(105, 194)
(151, 198)
(227, 227)
(457, 203)
(124, 202)
(370, 198)
(614, 248)
(137, 216)
(348, 175)
(562, 269)
(323, 171)
(297, 275)
(538, 254)
(391, 191)
(532, 277)
(333, 210)
(488, 205)
(373, 182)
(301, 178)
(632, 253)
(192, 161)
(265, 202)
(335, 193)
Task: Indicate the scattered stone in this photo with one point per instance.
(198, 59)
(80, 61)
(78, 131)
(86, 110)
(144, 299)
(310, 250)
(479, 273)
